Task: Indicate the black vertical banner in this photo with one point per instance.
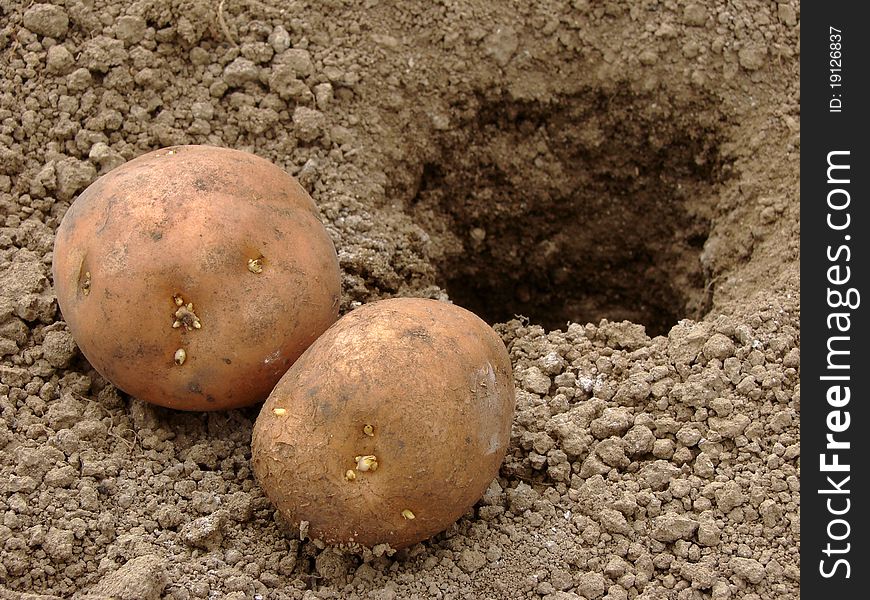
(835, 299)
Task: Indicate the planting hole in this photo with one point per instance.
(595, 207)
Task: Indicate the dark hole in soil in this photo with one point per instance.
(595, 207)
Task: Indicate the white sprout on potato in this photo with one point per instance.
(366, 463)
(369, 431)
(185, 316)
(407, 514)
(255, 265)
(280, 412)
(180, 356)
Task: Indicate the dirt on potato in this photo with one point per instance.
(612, 184)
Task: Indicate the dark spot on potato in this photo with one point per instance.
(156, 235)
(110, 204)
(419, 333)
(209, 398)
(284, 450)
(139, 351)
(201, 184)
(218, 258)
(228, 361)
(194, 387)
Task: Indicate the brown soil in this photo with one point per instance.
(635, 162)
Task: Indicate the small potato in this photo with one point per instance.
(192, 277)
(390, 426)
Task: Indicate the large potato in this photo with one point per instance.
(192, 277)
(390, 426)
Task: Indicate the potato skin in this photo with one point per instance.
(184, 222)
(432, 380)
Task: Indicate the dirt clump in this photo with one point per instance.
(613, 185)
